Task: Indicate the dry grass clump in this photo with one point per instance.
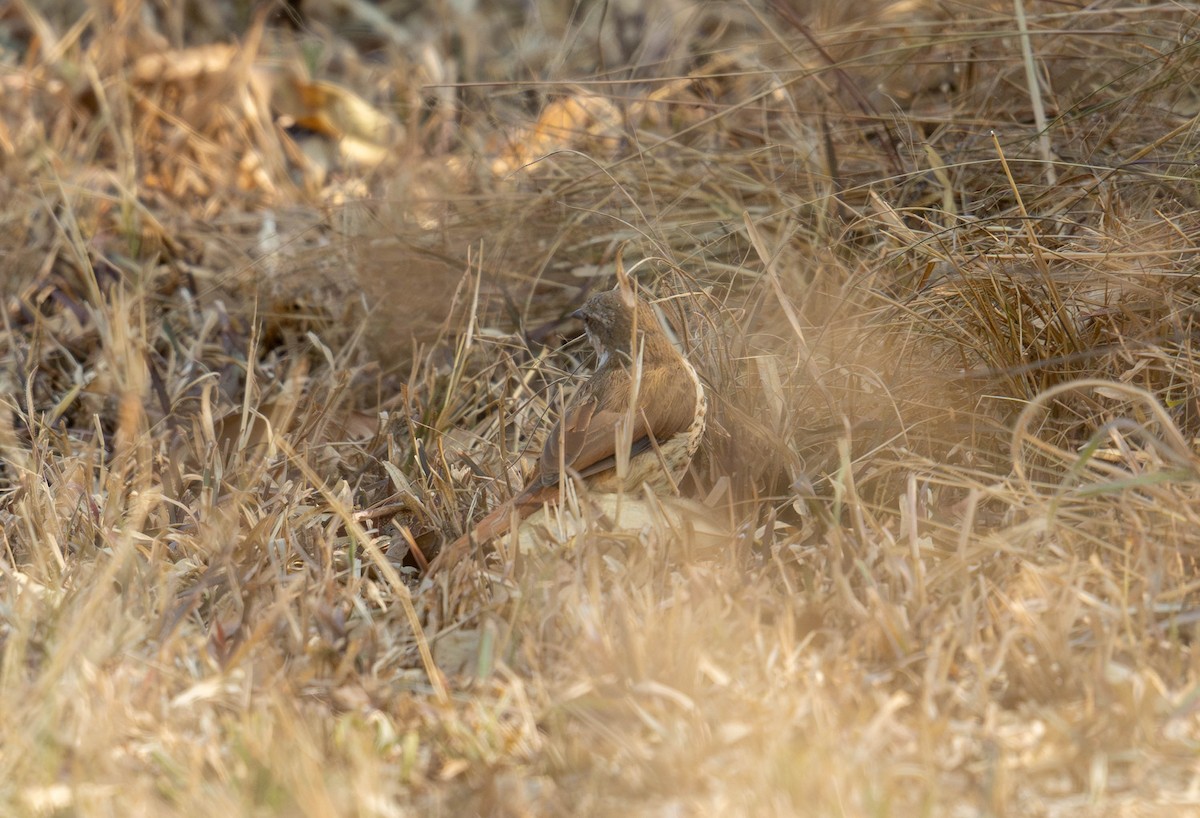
(286, 300)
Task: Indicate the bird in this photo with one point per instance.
(643, 399)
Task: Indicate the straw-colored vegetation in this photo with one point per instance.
(285, 296)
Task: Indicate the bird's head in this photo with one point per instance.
(614, 321)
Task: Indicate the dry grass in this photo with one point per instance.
(284, 305)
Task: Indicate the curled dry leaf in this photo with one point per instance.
(365, 135)
(565, 123)
(184, 65)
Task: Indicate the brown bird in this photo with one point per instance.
(644, 398)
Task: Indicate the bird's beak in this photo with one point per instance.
(578, 314)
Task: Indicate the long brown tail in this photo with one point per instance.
(497, 523)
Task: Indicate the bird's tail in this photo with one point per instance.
(498, 522)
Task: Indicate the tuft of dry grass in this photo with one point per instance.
(286, 298)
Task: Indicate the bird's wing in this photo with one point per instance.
(587, 432)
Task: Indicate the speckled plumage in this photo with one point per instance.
(666, 409)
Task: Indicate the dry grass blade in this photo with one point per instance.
(286, 301)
